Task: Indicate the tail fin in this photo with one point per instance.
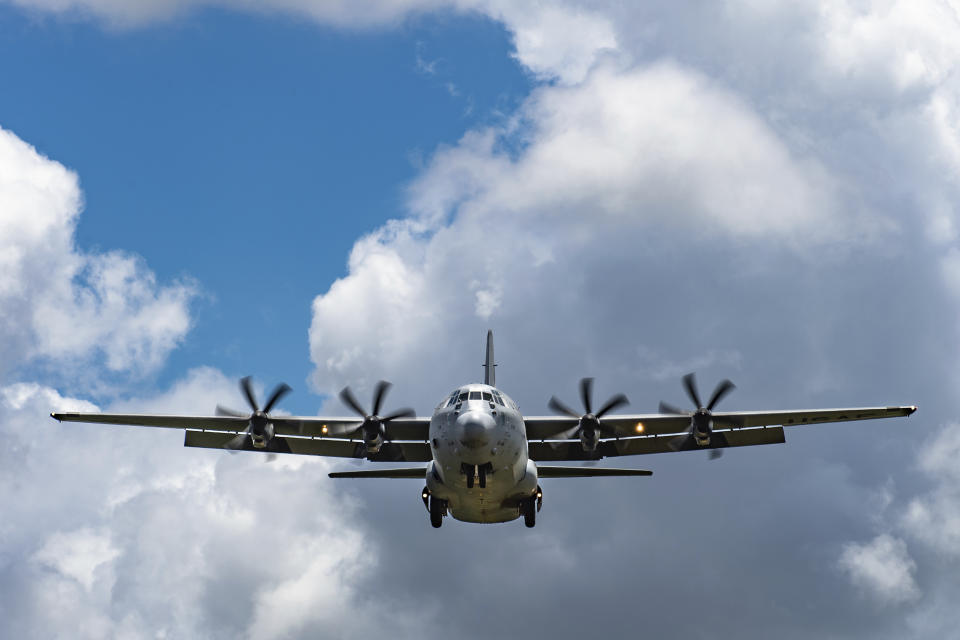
(489, 373)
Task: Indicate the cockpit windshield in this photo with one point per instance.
(458, 397)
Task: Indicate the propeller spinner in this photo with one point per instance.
(589, 427)
(701, 420)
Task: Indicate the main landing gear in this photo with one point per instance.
(436, 507)
(530, 506)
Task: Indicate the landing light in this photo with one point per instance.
(639, 427)
(323, 429)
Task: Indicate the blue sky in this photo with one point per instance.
(329, 194)
(248, 153)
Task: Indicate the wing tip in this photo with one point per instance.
(56, 416)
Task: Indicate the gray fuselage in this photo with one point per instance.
(478, 431)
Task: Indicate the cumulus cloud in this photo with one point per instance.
(882, 567)
(60, 303)
(934, 517)
(113, 531)
(501, 219)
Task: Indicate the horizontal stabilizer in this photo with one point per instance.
(409, 472)
(588, 472)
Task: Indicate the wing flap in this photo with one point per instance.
(413, 429)
(335, 448)
(652, 444)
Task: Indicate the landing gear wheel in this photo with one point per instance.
(530, 512)
(437, 509)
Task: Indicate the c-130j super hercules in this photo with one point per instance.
(483, 457)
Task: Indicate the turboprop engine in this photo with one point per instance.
(589, 428)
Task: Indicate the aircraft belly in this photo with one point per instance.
(506, 456)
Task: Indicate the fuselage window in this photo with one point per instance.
(476, 395)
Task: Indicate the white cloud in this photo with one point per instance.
(934, 517)
(59, 303)
(883, 568)
(494, 231)
(121, 532)
(84, 555)
(554, 40)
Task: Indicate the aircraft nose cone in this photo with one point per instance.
(475, 428)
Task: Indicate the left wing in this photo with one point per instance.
(642, 433)
(656, 424)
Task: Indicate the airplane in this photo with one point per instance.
(484, 459)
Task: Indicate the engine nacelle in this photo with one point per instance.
(261, 433)
(702, 430)
(374, 445)
(589, 439)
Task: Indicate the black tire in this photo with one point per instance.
(530, 512)
(437, 509)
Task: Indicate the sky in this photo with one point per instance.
(328, 194)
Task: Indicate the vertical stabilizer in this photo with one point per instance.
(489, 373)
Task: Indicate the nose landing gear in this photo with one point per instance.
(476, 474)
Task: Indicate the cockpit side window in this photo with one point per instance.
(496, 396)
(487, 396)
(453, 400)
(463, 397)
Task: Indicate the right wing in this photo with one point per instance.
(303, 435)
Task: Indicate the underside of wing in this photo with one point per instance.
(569, 451)
(220, 423)
(548, 428)
(412, 429)
(812, 416)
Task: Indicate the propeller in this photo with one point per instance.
(373, 426)
(701, 420)
(589, 427)
(260, 428)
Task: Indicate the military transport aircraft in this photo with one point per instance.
(482, 454)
